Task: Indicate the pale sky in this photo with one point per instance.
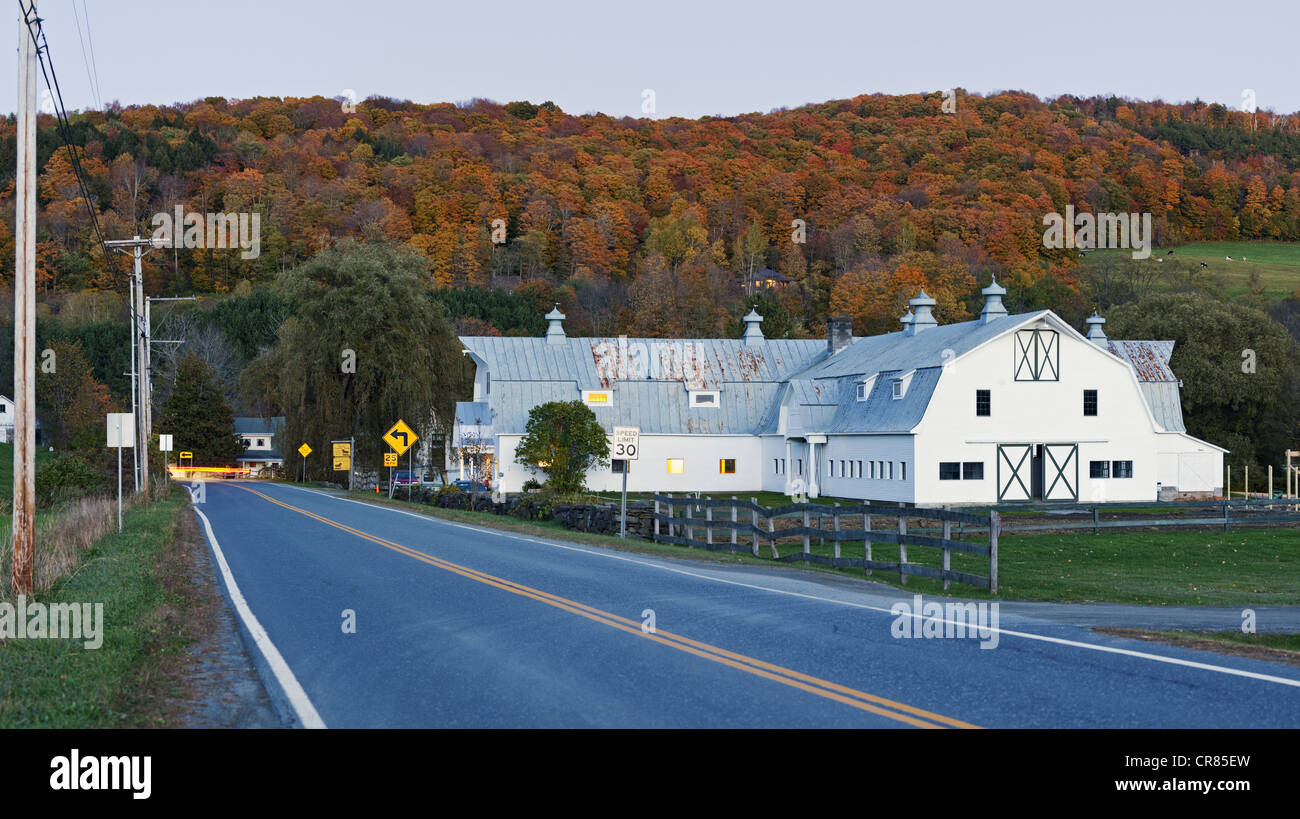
(698, 57)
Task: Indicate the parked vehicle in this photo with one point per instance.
(469, 486)
(405, 477)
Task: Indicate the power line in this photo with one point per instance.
(90, 38)
(42, 46)
(85, 59)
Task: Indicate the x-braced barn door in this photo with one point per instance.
(1015, 465)
(1060, 472)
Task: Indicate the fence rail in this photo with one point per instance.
(733, 528)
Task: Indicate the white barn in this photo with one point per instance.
(1002, 409)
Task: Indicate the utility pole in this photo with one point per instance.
(24, 500)
(138, 248)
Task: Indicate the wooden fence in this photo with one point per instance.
(673, 515)
(1241, 512)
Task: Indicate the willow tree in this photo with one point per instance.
(364, 345)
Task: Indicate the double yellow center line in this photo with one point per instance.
(814, 685)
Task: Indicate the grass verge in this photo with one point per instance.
(47, 683)
(1282, 648)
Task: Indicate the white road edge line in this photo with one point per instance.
(283, 674)
(1028, 636)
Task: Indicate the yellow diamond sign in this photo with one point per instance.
(400, 437)
(304, 450)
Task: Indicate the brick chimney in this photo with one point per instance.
(839, 333)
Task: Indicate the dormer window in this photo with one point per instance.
(862, 392)
(901, 382)
(704, 398)
(898, 388)
(864, 389)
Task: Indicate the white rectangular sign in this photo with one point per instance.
(164, 443)
(626, 444)
(121, 429)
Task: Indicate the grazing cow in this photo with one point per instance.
(1170, 253)
(1158, 259)
(1203, 264)
(1229, 258)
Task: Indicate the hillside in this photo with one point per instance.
(648, 225)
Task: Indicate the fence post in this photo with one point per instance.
(1225, 517)
(947, 554)
(733, 521)
(771, 535)
(656, 518)
(866, 543)
(754, 522)
(805, 534)
(835, 524)
(690, 530)
(902, 547)
(995, 526)
(1094, 520)
(708, 525)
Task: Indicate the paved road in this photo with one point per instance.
(457, 626)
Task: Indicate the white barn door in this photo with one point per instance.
(1015, 472)
(1060, 472)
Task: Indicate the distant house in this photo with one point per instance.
(260, 438)
(7, 423)
(766, 278)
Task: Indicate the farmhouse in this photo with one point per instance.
(259, 437)
(1005, 408)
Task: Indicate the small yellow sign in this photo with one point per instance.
(187, 455)
(401, 437)
(304, 450)
(390, 459)
(342, 456)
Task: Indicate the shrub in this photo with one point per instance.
(66, 477)
(531, 483)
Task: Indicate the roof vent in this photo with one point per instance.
(555, 326)
(924, 319)
(753, 333)
(993, 306)
(839, 333)
(1095, 334)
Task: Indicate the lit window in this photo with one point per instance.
(676, 466)
(727, 466)
(597, 397)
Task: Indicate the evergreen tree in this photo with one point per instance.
(199, 417)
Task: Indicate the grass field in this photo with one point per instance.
(1277, 263)
(1254, 567)
(48, 683)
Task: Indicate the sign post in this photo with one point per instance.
(400, 438)
(343, 458)
(390, 461)
(304, 451)
(121, 432)
(625, 447)
(165, 446)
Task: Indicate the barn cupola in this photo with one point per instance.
(906, 321)
(839, 333)
(993, 306)
(1095, 334)
(923, 318)
(555, 326)
(753, 333)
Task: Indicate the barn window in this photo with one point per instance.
(704, 399)
(949, 470)
(902, 470)
(1099, 469)
(1037, 356)
(598, 397)
(862, 392)
(1089, 402)
(983, 404)
(676, 466)
(972, 471)
(1121, 469)
(898, 388)
(859, 469)
(727, 466)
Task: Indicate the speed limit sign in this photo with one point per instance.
(625, 445)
